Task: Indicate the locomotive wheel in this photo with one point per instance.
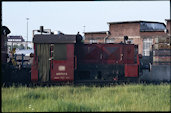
(138, 80)
(131, 80)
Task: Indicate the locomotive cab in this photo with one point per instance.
(53, 60)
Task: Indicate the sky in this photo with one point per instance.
(71, 17)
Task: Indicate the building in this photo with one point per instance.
(95, 37)
(13, 41)
(141, 33)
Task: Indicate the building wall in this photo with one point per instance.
(168, 26)
(94, 41)
(139, 42)
(124, 29)
(132, 30)
(148, 38)
(94, 37)
(152, 34)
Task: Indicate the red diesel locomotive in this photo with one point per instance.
(65, 58)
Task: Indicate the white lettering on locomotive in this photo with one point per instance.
(61, 68)
(61, 74)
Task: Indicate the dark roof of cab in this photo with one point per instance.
(52, 38)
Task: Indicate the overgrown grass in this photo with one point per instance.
(82, 98)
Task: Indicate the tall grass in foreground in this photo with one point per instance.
(83, 98)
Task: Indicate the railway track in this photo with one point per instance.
(81, 83)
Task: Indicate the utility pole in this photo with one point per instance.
(84, 28)
(27, 33)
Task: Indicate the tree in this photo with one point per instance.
(15, 46)
(21, 46)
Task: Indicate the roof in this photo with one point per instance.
(146, 25)
(100, 32)
(15, 39)
(137, 21)
(167, 20)
(51, 38)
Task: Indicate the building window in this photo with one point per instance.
(147, 45)
(109, 41)
(60, 52)
(144, 26)
(93, 41)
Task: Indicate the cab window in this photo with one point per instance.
(60, 52)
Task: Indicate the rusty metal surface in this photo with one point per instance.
(131, 70)
(106, 53)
